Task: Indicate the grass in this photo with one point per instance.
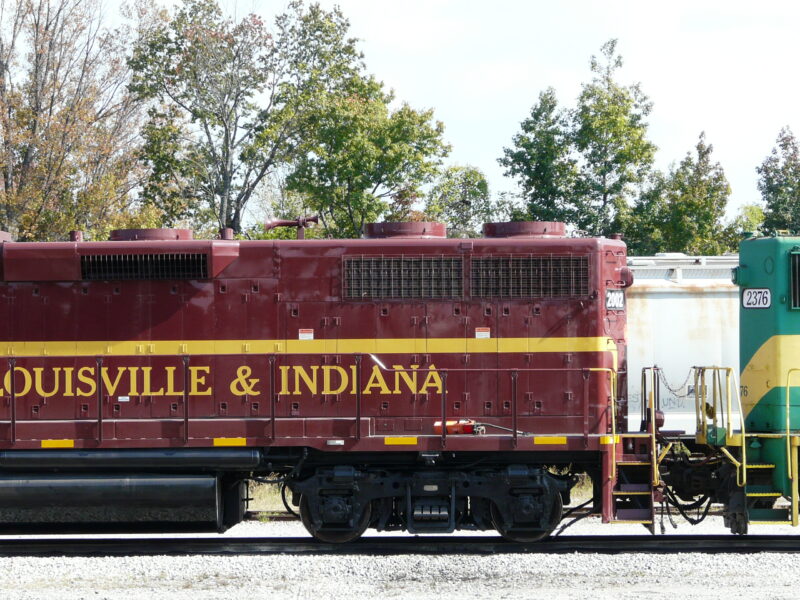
(582, 490)
(267, 497)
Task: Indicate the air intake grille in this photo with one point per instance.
(144, 266)
(403, 277)
(530, 276)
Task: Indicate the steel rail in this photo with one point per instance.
(371, 546)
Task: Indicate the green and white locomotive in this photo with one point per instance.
(745, 451)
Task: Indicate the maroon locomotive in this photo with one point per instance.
(401, 381)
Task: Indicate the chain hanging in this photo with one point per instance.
(676, 391)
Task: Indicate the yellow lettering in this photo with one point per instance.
(243, 385)
(432, 380)
(146, 384)
(38, 384)
(25, 375)
(110, 387)
(134, 383)
(284, 380)
(310, 380)
(326, 379)
(68, 383)
(354, 379)
(409, 379)
(377, 380)
(88, 380)
(171, 391)
(197, 380)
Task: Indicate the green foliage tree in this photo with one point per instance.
(683, 211)
(610, 135)
(779, 184)
(274, 201)
(582, 166)
(750, 218)
(171, 184)
(460, 198)
(365, 160)
(542, 161)
(232, 101)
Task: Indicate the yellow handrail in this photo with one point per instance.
(788, 433)
(613, 374)
(653, 449)
(791, 461)
(721, 415)
(731, 374)
(698, 408)
(651, 409)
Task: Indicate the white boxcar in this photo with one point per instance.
(682, 312)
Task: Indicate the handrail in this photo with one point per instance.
(699, 420)
(788, 432)
(613, 374)
(732, 375)
(653, 449)
(357, 357)
(725, 416)
(515, 373)
(791, 463)
(651, 409)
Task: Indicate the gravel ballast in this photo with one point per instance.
(410, 576)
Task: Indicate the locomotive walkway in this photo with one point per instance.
(611, 544)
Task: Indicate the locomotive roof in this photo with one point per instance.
(67, 261)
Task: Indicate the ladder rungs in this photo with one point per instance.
(629, 463)
(760, 466)
(623, 493)
(764, 494)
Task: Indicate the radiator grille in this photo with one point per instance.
(144, 266)
(403, 277)
(530, 276)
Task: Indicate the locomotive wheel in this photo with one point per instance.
(337, 536)
(523, 535)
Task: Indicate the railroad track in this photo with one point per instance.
(670, 544)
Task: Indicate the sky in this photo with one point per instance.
(726, 68)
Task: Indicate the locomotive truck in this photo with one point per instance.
(401, 381)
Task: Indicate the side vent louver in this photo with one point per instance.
(398, 277)
(144, 266)
(530, 276)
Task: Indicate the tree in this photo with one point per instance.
(583, 165)
(542, 161)
(460, 198)
(273, 200)
(610, 134)
(750, 218)
(684, 210)
(642, 224)
(365, 159)
(68, 127)
(231, 101)
(779, 184)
